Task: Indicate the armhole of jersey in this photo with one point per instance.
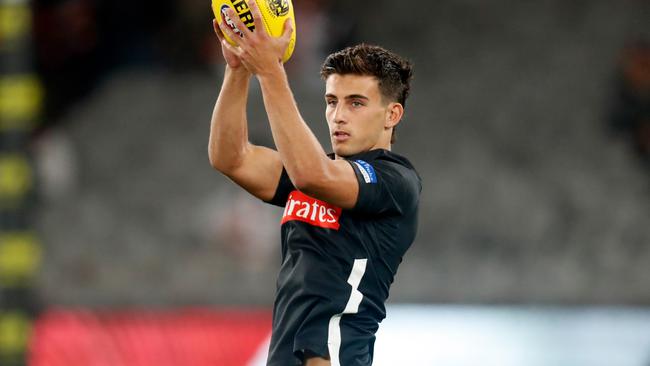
(359, 176)
(282, 191)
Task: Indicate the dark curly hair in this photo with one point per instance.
(393, 72)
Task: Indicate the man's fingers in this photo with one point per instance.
(217, 30)
(257, 16)
(288, 30)
(226, 30)
(234, 18)
(230, 48)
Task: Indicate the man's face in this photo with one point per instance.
(356, 114)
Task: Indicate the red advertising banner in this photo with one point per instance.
(146, 338)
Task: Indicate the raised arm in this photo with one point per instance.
(307, 165)
(257, 169)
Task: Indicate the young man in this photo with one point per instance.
(348, 217)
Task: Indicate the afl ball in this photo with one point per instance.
(274, 14)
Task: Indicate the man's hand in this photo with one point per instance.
(231, 58)
(260, 52)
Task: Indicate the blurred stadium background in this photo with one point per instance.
(529, 122)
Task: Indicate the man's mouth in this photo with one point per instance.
(341, 136)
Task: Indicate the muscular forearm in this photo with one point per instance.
(228, 128)
(301, 153)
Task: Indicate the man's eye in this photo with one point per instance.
(331, 102)
(357, 104)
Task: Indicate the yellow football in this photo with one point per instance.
(274, 14)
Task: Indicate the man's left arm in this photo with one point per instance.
(307, 164)
(304, 159)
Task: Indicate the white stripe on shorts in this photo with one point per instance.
(352, 307)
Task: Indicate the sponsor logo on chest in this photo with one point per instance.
(303, 208)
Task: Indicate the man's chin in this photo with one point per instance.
(345, 151)
(341, 151)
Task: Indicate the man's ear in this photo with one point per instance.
(394, 115)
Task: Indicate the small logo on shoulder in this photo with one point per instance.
(368, 172)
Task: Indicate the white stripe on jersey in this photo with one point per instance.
(352, 307)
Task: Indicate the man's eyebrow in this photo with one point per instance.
(357, 96)
(351, 96)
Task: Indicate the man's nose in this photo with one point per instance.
(339, 115)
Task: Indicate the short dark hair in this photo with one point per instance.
(393, 72)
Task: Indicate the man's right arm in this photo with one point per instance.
(257, 169)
